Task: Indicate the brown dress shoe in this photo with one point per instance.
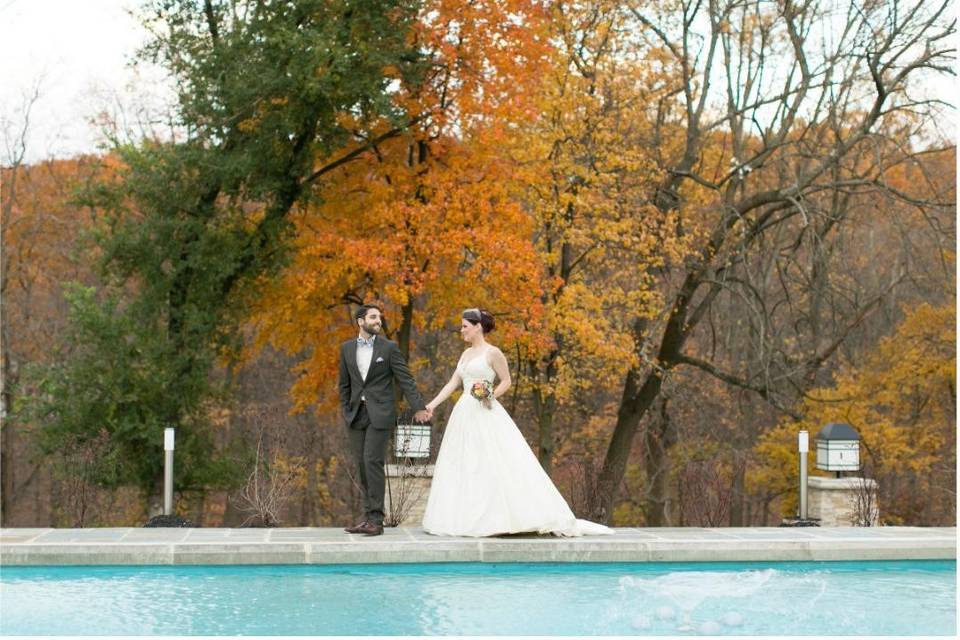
(357, 528)
(370, 529)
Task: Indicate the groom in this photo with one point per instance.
(368, 366)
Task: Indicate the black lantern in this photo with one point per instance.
(838, 448)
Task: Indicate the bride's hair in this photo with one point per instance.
(481, 317)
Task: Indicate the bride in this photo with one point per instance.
(486, 480)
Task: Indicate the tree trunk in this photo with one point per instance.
(633, 405)
(545, 406)
(658, 439)
(7, 437)
(309, 510)
(737, 506)
(8, 442)
(657, 471)
(637, 398)
(406, 326)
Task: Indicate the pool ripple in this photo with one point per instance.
(817, 598)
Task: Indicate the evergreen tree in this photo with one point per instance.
(268, 93)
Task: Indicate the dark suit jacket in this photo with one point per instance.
(386, 365)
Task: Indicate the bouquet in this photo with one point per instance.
(482, 390)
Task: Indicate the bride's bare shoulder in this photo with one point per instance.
(494, 353)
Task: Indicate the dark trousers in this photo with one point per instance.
(369, 448)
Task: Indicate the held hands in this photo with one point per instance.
(423, 415)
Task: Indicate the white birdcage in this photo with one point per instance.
(412, 440)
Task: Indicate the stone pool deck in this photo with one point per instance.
(136, 546)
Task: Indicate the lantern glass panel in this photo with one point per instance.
(838, 455)
(412, 441)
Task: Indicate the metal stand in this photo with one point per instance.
(804, 447)
(167, 471)
(803, 444)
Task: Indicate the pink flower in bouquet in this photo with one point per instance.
(482, 390)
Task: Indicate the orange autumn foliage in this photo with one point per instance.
(41, 226)
(424, 223)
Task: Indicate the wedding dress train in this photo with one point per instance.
(487, 481)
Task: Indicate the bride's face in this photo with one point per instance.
(468, 330)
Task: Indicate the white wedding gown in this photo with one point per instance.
(486, 480)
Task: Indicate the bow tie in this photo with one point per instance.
(361, 342)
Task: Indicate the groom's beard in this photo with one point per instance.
(372, 329)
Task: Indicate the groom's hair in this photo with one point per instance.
(362, 311)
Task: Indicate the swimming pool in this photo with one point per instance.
(796, 598)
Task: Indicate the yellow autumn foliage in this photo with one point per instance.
(901, 401)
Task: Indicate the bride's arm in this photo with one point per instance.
(450, 387)
(499, 363)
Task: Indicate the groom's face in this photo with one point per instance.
(372, 322)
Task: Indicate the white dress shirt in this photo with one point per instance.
(364, 357)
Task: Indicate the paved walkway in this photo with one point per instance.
(333, 546)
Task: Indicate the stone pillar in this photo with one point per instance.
(843, 502)
(408, 486)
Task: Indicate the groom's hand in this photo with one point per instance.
(423, 415)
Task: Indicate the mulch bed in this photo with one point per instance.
(168, 521)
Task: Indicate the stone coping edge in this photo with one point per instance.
(629, 546)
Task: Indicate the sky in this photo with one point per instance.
(76, 54)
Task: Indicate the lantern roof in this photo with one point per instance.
(838, 431)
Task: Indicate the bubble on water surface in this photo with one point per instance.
(733, 619)
(640, 622)
(665, 613)
(709, 628)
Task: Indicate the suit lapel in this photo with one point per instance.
(377, 350)
(352, 360)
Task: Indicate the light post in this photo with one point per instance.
(168, 435)
(804, 446)
(802, 519)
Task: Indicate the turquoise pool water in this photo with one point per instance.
(799, 598)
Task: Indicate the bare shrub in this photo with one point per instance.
(581, 476)
(866, 507)
(74, 469)
(405, 489)
(271, 482)
(705, 493)
(409, 482)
